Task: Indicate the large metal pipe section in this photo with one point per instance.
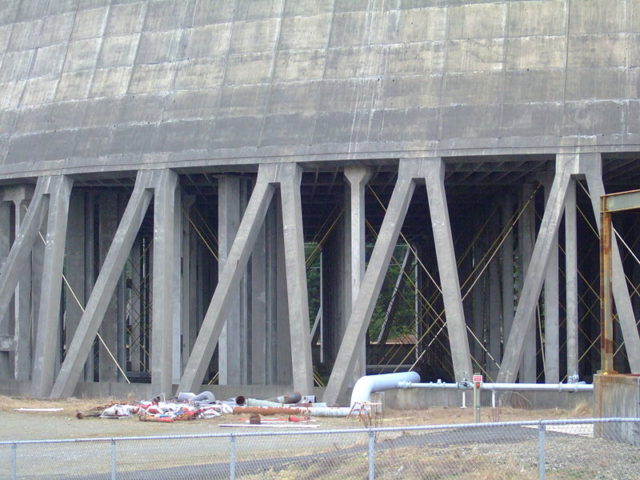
(369, 384)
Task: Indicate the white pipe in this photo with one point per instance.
(548, 387)
(436, 385)
(553, 387)
(329, 411)
(366, 385)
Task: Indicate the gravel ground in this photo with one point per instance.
(464, 453)
(485, 453)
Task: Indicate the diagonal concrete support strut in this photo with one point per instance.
(288, 177)
(372, 281)
(448, 272)
(22, 245)
(237, 258)
(552, 306)
(104, 287)
(514, 347)
(432, 171)
(591, 167)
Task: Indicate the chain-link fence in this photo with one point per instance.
(553, 449)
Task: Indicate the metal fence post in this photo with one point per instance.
(541, 459)
(232, 457)
(372, 455)
(114, 465)
(14, 461)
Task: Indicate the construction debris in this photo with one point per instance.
(191, 406)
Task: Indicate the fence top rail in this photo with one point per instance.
(567, 421)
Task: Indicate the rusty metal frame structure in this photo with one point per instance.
(610, 204)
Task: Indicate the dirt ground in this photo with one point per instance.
(64, 424)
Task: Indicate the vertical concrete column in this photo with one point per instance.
(120, 301)
(107, 226)
(75, 265)
(233, 343)
(49, 319)
(6, 230)
(195, 290)
(478, 295)
(176, 334)
(37, 266)
(495, 305)
(269, 354)
(259, 302)
(571, 278)
(165, 288)
(417, 302)
(552, 307)
(336, 289)
(478, 304)
(433, 173)
(91, 267)
(357, 177)
(526, 242)
(280, 343)
(7, 324)
(466, 236)
(290, 176)
(187, 310)
(134, 306)
(507, 270)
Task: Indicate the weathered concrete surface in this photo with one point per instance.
(107, 85)
(422, 398)
(617, 396)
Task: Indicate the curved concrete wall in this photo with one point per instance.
(98, 85)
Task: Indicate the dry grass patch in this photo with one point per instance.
(69, 406)
(445, 416)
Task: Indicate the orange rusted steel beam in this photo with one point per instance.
(607, 346)
(609, 204)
